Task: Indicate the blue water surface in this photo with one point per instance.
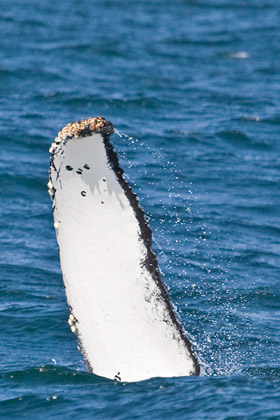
(193, 87)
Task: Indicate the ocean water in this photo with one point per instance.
(193, 88)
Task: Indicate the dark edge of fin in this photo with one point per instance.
(104, 127)
(146, 235)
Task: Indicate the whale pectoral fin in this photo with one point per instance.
(112, 281)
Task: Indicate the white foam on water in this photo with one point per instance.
(239, 54)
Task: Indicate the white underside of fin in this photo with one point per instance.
(122, 321)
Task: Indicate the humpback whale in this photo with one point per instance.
(120, 310)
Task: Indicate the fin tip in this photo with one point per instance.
(86, 128)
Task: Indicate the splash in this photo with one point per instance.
(190, 254)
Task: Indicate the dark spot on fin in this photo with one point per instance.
(102, 202)
(117, 377)
(83, 193)
(86, 166)
(79, 171)
(104, 180)
(69, 168)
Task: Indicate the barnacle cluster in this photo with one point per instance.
(86, 127)
(82, 128)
